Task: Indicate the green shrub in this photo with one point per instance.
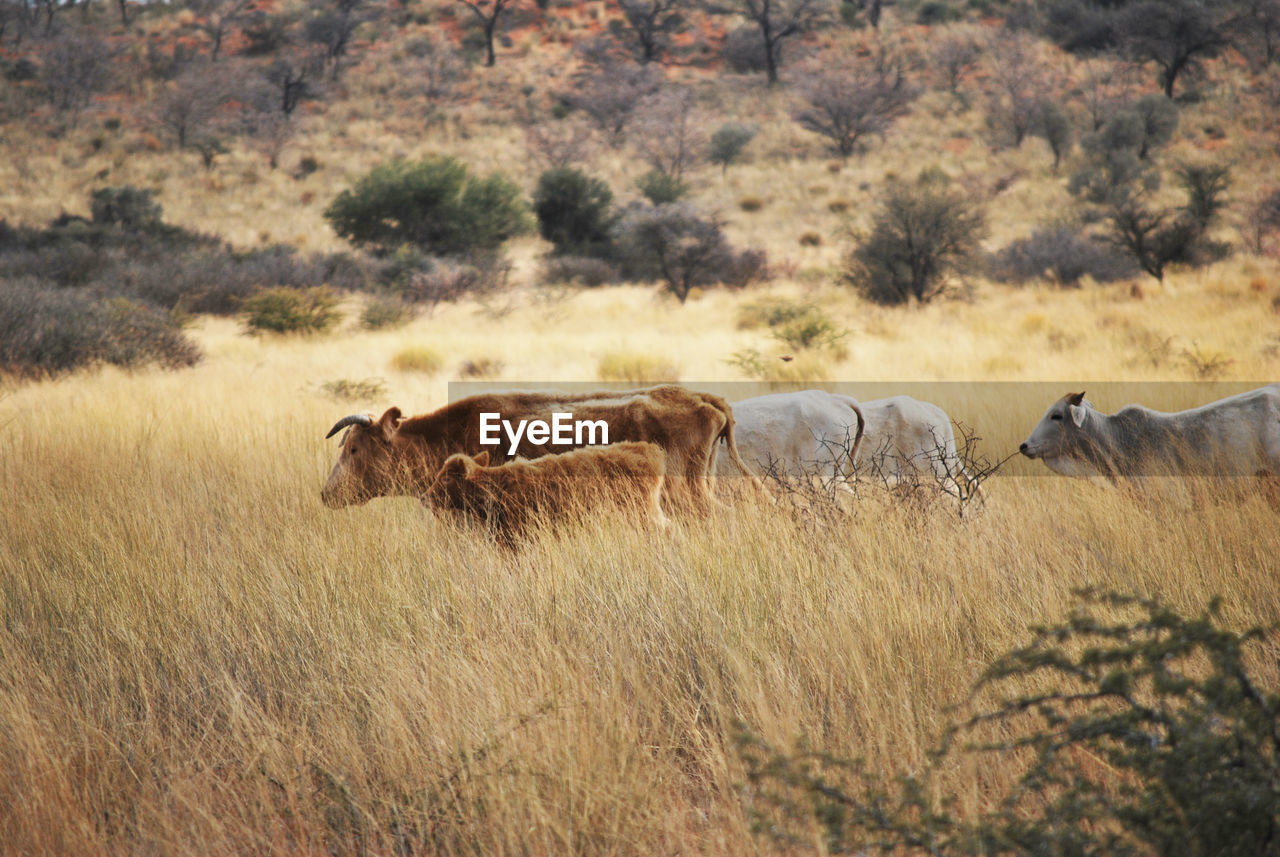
(418, 358)
(431, 204)
(1147, 732)
(771, 312)
(922, 233)
(575, 212)
(728, 143)
(661, 188)
(129, 207)
(811, 330)
(288, 310)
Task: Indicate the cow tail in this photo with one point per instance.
(726, 437)
(857, 438)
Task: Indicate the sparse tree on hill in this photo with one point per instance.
(216, 18)
(668, 132)
(332, 25)
(1054, 126)
(650, 23)
(851, 100)
(1021, 83)
(1173, 34)
(610, 93)
(1156, 237)
(487, 14)
(779, 20)
(728, 142)
(673, 243)
(189, 105)
(923, 233)
(76, 67)
(955, 57)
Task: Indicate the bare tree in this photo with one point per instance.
(609, 94)
(487, 14)
(436, 67)
(851, 100)
(558, 145)
(779, 20)
(1107, 87)
(668, 133)
(955, 57)
(1173, 34)
(216, 18)
(332, 26)
(1021, 81)
(650, 22)
(188, 106)
(76, 67)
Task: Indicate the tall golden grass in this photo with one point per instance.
(196, 657)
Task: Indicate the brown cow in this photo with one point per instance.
(513, 496)
(398, 455)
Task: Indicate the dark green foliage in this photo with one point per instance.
(48, 331)
(1205, 184)
(1157, 237)
(728, 142)
(661, 188)
(288, 310)
(127, 207)
(431, 204)
(1149, 734)
(575, 212)
(673, 243)
(936, 12)
(1118, 156)
(923, 233)
(1062, 255)
(1055, 127)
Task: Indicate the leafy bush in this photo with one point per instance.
(575, 212)
(129, 207)
(46, 331)
(580, 270)
(923, 233)
(1062, 255)
(728, 143)
(770, 312)
(1147, 733)
(661, 188)
(812, 329)
(288, 310)
(637, 368)
(431, 204)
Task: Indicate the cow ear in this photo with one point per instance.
(1077, 415)
(390, 421)
(1075, 398)
(482, 460)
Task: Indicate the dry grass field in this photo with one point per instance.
(198, 658)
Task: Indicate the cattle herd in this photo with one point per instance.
(665, 444)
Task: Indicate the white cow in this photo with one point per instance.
(1235, 436)
(798, 434)
(818, 433)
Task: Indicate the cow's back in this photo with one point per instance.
(795, 433)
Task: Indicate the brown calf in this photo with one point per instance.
(513, 496)
(398, 455)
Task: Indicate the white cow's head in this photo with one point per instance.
(1061, 437)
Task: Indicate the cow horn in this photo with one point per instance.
(353, 420)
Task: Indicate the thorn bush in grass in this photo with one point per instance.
(1138, 729)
